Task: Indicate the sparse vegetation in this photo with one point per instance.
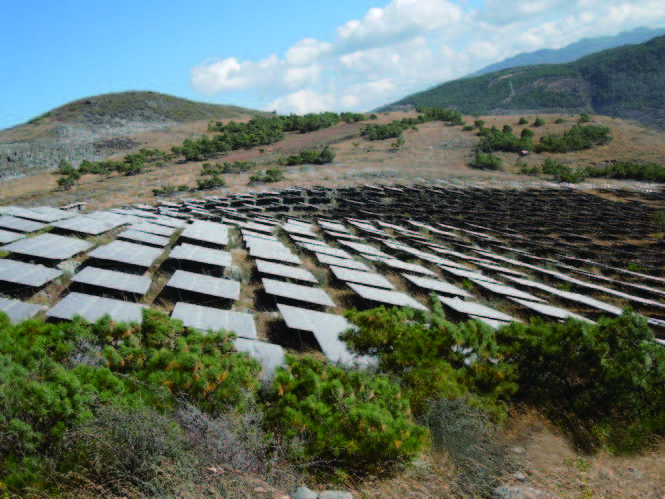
(485, 161)
(271, 175)
(309, 157)
(578, 138)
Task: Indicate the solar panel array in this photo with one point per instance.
(471, 247)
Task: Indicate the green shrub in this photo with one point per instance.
(578, 138)
(561, 172)
(523, 121)
(628, 170)
(584, 118)
(526, 133)
(165, 190)
(507, 129)
(272, 175)
(502, 140)
(538, 122)
(212, 182)
(346, 419)
(484, 161)
(559, 120)
(427, 354)
(603, 383)
(468, 128)
(479, 124)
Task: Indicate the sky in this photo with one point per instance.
(291, 56)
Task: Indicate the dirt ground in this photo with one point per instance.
(434, 152)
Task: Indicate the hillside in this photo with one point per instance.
(574, 51)
(95, 127)
(625, 82)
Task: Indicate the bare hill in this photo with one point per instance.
(96, 127)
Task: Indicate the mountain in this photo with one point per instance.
(628, 82)
(574, 51)
(95, 127)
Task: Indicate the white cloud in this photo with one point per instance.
(412, 44)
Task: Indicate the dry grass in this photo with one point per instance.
(435, 151)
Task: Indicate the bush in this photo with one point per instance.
(584, 118)
(561, 172)
(346, 419)
(427, 354)
(628, 170)
(479, 124)
(485, 161)
(578, 138)
(527, 133)
(498, 140)
(559, 120)
(471, 442)
(271, 175)
(212, 182)
(507, 129)
(523, 121)
(66, 183)
(468, 128)
(538, 122)
(165, 190)
(309, 157)
(603, 383)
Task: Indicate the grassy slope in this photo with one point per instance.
(131, 105)
(625, 82)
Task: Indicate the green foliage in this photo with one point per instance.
(658, 219)
(559, 120)
(272, 175)
(561, 172)
(429, 355)
(527, 133)
(219, 169)
(468, 128)
(628, 170)
(66, 183)
(507, 129)
(578, 138)
(619, 82)
(394, 130)
(373, 117)
(479, 124)
(65, 168)
(211, 182)
(538, 122)
(523, 121)
(352, 117)
(382, 132)
(484, 161)
(346, 419)
(604, 383)
(308, 157)
(498, 140)
(584, 118)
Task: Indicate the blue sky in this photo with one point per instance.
(293, 56)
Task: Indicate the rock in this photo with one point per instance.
(304, 493)
(520, 477)
(518, 492)
(517, 450)
(335, 494)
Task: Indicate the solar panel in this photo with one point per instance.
(308, 240)
(367, 278)
(365, 249)
(144, 238)
(551, 311)
(114, 219)
(25, 273)
(254, 226)
(469, 274)
(48, 214)
(268, 253)
(9, 237)
(342, 262)
(93, 308)
(493, 323)
(214, 319)
(439, 286)
(476, 309)
(270, 356)
(111, 279)
(20, 224)
(297, 292)
(326, 329)
(200, 254)
(412, 267)
(18, 311)
(127, 253)
(501, 289)
(339, 235)
(153, 228)
(205, 285)
(317, 248)
(298, 229)
(208, 232)
(332, 226)
(288, 271)
(83, 225)
(385, 296)
(48, 246)
(249, 233)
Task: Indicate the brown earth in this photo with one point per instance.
(434, 151)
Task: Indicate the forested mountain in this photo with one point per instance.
(574, 51)
(627, 82)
